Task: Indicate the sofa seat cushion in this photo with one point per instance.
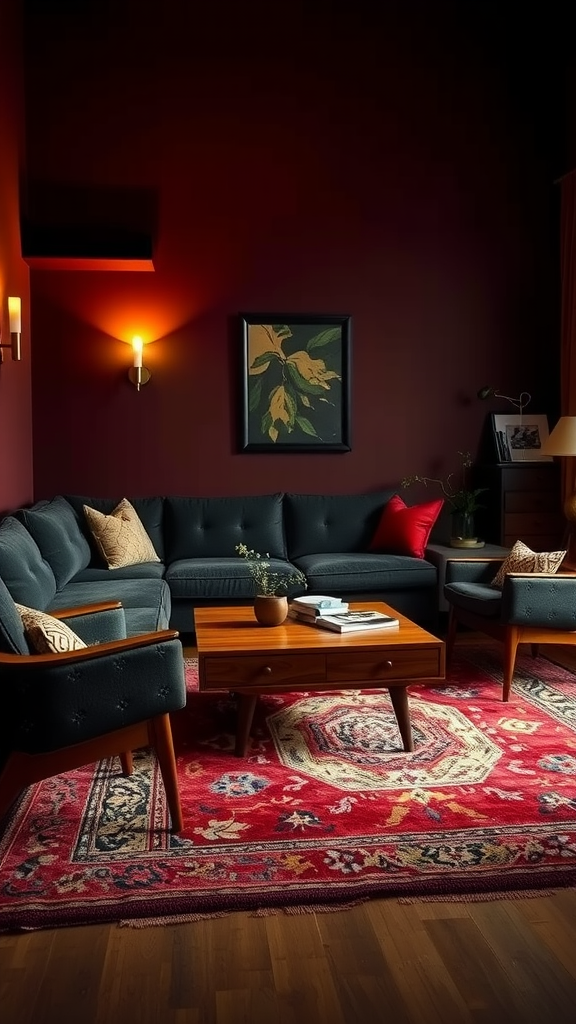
(218, 578)
(25, 572)
(140, 571)
(56, 530)
(212, 527)
(358, 572)
(146, 603)
(478, 598)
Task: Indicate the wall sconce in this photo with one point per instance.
(15, 321)
(521, 402)
(137, 373)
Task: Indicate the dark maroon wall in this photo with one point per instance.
(393, 171)
(16, 482)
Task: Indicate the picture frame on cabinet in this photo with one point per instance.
(295, 382)
(520, 438)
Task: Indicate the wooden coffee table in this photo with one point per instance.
(236, 654)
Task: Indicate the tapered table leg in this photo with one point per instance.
(399, 698)
(246, 706)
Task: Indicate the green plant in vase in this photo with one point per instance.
(462, 500)
(271, 588)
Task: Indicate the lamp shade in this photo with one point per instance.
(562, 440)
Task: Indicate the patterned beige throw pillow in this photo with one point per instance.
(120, 537)
(523, 559)
(47, 634)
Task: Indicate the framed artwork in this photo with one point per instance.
(520, 438)
(295, 382)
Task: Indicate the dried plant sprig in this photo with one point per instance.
(460, 498)
(267, 582)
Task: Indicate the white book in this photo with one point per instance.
(312, 612)
(317, 601)
(351, 621)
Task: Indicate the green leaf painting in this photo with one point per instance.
(295, 379)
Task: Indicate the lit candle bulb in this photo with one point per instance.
(15, 314)
(137, 347)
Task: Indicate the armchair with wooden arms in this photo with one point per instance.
(61, 711)
(534, 607)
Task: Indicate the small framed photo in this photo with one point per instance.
(520, 438)
(295, 382)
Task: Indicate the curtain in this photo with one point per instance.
(568, 315)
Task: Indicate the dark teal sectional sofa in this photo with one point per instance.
(48, 559)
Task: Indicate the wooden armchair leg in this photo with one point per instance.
(127, 762)
(451, 635)
(511, 642)
(160, 733)
(534, 649)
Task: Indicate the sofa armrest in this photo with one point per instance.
(35, 662)
(95, 623)
(85, 609)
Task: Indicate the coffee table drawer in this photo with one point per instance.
(378, 666)
(262, 671)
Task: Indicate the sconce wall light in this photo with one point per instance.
(137, 373)
(524, 398)
(15, 323)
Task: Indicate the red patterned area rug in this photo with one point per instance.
(325, 810)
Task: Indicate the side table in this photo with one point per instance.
(440, 554)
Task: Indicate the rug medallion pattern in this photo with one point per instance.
(325, 808)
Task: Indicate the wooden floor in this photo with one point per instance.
(505, 961)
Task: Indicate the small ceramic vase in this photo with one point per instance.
(270, 611)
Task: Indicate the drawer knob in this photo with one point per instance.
(267, 671)
(386, 664)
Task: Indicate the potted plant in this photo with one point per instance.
(463, 501)
(271, 601)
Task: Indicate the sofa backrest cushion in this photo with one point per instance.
(56, 530)
(12, 638)
(212, 527)
(25, 572)
(316, 524)
(150, 512)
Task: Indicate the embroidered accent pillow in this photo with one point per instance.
(120, 537)
(405, 529)
(46, 634)
(523, 559)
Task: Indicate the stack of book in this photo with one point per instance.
(334, 614)
(310, 606)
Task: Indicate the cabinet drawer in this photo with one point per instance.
(261, 670)
(377, 666)
(535, 523)
(529, 478)
(533, 501)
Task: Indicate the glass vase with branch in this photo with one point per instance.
(462, 500)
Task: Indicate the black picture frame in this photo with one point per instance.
(295, 382)
(520, 438)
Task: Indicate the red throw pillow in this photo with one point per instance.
(404, 529)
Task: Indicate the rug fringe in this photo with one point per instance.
(480, 897)
(312, 908)
(153, 922)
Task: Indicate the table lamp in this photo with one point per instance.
(562, 441)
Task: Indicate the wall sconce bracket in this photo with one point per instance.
(138, 376)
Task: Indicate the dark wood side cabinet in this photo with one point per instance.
(523, 502)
